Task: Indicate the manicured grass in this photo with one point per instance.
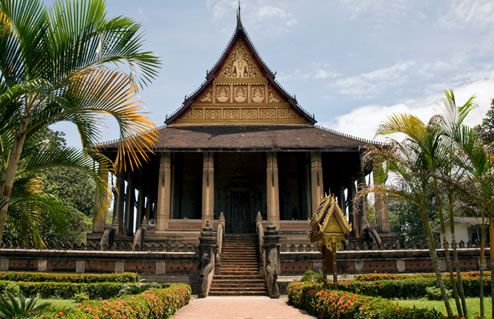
(59, 302)
(473, 305)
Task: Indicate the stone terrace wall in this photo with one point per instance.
(370, 261)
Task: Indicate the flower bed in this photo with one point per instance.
(330, 304)
(153, 303)
(68, 277)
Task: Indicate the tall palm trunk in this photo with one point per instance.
(482, 265)
(435, 263)
(491, 260)
(447, 257)
(8, 175)
(456, 261)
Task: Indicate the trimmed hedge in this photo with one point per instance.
(68, 277)
(154, 303)
(408, 288)
(386, 276)
(335, 304)
(64, 290)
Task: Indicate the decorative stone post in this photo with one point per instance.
(272, 189)
(271, 246)
(316, 182)
(207, 187)
(164, 193)
(207, 251)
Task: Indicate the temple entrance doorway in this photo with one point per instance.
(240, 189)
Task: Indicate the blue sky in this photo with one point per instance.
(350, 62)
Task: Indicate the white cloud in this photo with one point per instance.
(381, 8)
(257, 13)
(371, 84)
(468, 13)
(363, 121)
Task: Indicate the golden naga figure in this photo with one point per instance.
(329, 227)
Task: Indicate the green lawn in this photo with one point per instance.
(473, 305)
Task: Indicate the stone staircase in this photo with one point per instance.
(239, 271)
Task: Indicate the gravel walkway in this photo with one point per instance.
(240, 308)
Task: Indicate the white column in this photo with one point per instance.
(316, 182)
(208, 187)
(272, 189)
(164, 193)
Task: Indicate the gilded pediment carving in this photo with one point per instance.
(240, 93)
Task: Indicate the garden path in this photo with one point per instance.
(240, 308)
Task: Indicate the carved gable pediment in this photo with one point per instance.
(239, 92)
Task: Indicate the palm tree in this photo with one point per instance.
(477, 185)
(414, 161)
(64, 64)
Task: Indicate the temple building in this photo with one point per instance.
(239, 146)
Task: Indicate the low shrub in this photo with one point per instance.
(331, 304)
(153, 303)
(386, 276)
(408, 288)
(67, 277)
(64, 290)
(434, 293)
(312, 276)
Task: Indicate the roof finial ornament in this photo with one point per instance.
(239, 19)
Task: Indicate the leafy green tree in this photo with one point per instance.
(65, 64)
(486, 128)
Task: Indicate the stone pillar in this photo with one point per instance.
(100, 204)
(354, 219)
(119, 207)
(380, 202)
(272, 189)
(208, 187)
(316, 182)
(164, 193)
(129, 206)
(140, 207)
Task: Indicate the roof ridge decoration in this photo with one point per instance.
(240, 89)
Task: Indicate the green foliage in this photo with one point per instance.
(17, 306)
(434, 293)
(404, 222)
(153, 303)
(312, 276)
(338, 304)
(486, 128)
(413, 287)
(80, 297)
(66, 290)
(68, 277)
(134, 289)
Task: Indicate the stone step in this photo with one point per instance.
(252, 288)
(259, 285)
(237, 277)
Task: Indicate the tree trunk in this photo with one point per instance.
(8, 176)
(439, 209)
(456, 261)
(491, 260)
(435, 264)
(482, 265)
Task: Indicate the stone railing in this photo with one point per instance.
(220, 235)
(207, 254)
(269, 253)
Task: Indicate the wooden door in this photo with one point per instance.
(240, 212)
